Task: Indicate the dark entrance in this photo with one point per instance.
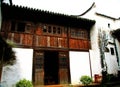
(51, 67)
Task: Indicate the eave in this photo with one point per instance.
(107, 16)
(35, 15)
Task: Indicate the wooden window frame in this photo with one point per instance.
(16, 27)
(26, 26)
(112, 51)
(55, 30)
(79, 34)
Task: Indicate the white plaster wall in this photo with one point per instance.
(101, 23)
(79, 65)
(118, 49)
(117, 24)
(94, 51)
(95, 62)
(104, 21)
(111, 61)
(21, 69)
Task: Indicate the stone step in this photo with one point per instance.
(49, 86)
(68, 85)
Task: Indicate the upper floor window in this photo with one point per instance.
(54, 30)
(28, 28)
(59, 30)
(13, 26)
(17, 27)
(21, 27)
(44, 28)
(108, 25)
(51, 29)
(79, 33)
(112, 51)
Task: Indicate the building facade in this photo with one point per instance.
(54, 48)
(49, 47)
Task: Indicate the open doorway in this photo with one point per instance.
(51, 67)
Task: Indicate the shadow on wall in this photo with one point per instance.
(11, 74)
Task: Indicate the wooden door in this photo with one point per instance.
(51, 67)
(63, 68)
(38, 67)
(41, 73)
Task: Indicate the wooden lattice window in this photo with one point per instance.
(39, 60)
(17, 26)
(13, 24)
(52, 30)
(21, 27)
(79, 33)
(63, 59)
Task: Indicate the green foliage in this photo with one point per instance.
(85, 80)
(24, 83)
(7, 55)
(111, 78)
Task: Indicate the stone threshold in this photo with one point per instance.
(69, 85)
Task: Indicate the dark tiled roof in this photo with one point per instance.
(106, 16)
(36, 15)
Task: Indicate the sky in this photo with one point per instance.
(73, 7)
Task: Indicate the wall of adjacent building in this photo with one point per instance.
(118, 51)
(111, 60)
(106, 25)
(102, 24)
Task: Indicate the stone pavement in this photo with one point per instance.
(116, 86)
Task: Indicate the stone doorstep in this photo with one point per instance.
(91, 85)
(67, 85)
(49, 86)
